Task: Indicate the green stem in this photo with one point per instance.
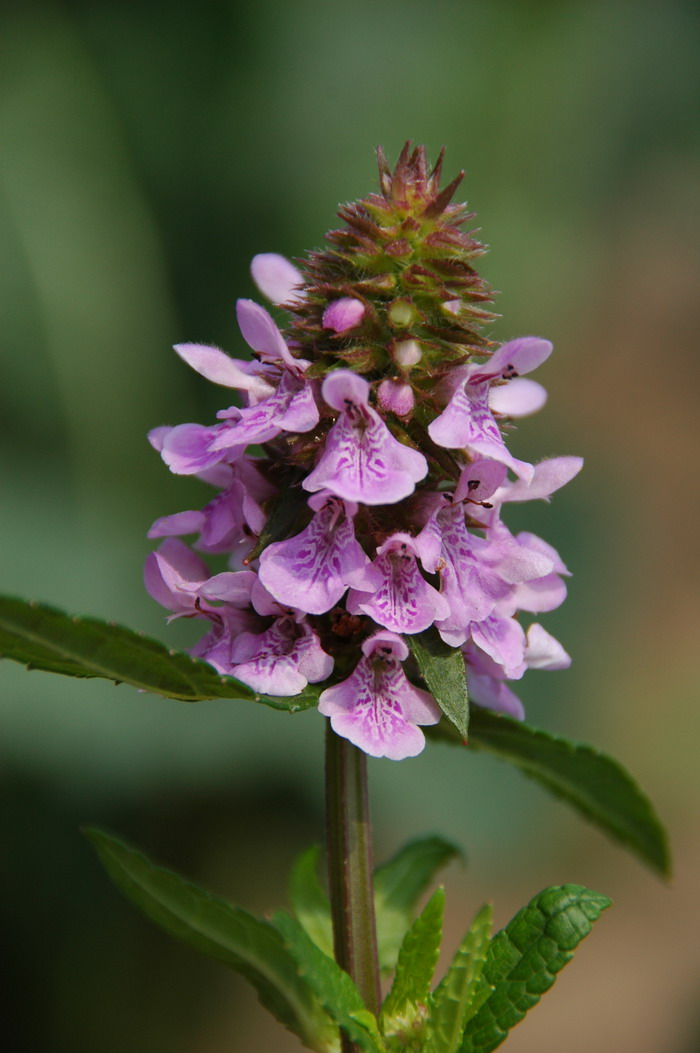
(349, 851)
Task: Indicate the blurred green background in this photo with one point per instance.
(147, 152)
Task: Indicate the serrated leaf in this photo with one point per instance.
(214, 927)
(598, 786)
(333, 988)
(415, 967)
(309, 902)
(524, 958)
(42, 637)
(398, 885)
(442, 668)
(460, 994)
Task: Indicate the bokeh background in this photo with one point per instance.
(148, 151)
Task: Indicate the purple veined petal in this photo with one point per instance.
(518, 356)
(480, 480)
(494, 694)
(549, 476)
(217, 366)
(277, 278)
(180, 523)
(468, 423)
(272, 662)
(470, 585)
(396, 396)
(260, 332)
(291, 408)
(517, 398)
(312, 570)
(543, 651)
(232, 587)
(377, 708)
(404, 601)
(503, 640)
(343, 314)
(301, 413)
(191, 448)
(362, 461)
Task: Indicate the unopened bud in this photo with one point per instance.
(343, 314)
(402, 314)
(407, 353)
(396, 396)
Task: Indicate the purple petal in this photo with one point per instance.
(503, 640)
(311, 571)
(514, 358)
(377, 708)
(494, 694)
(260, 332)
(291, 408)
(191, 448)
(548, 477)
(480, 480)
(282, 660)
(362, 461)
(179, 523)
(404, 602)
(543, 651)
(233, 587)
(343, 314)
(467, 422)
(517, 398)
(218, 367)
(276, 278)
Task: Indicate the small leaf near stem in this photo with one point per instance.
(349, 851)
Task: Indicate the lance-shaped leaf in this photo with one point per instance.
(42, 637)
(398, 885)
(214, 927)
(309, 902)
(595, 784)
(460, 994)
(524, 958)
(407, 1000)
(442, 668)
(331, 985)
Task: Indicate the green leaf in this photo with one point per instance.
(524, 958)
(214, 927)
(333, 988)
(460, 994)
(598, 786)
(42, 637)
(398, 885)
(309, 901)
(442, 668)
(414, 970)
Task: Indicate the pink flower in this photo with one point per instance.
(362, 461)
(312, 570)
(377, 708)
(467, 422)
(393, 591)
